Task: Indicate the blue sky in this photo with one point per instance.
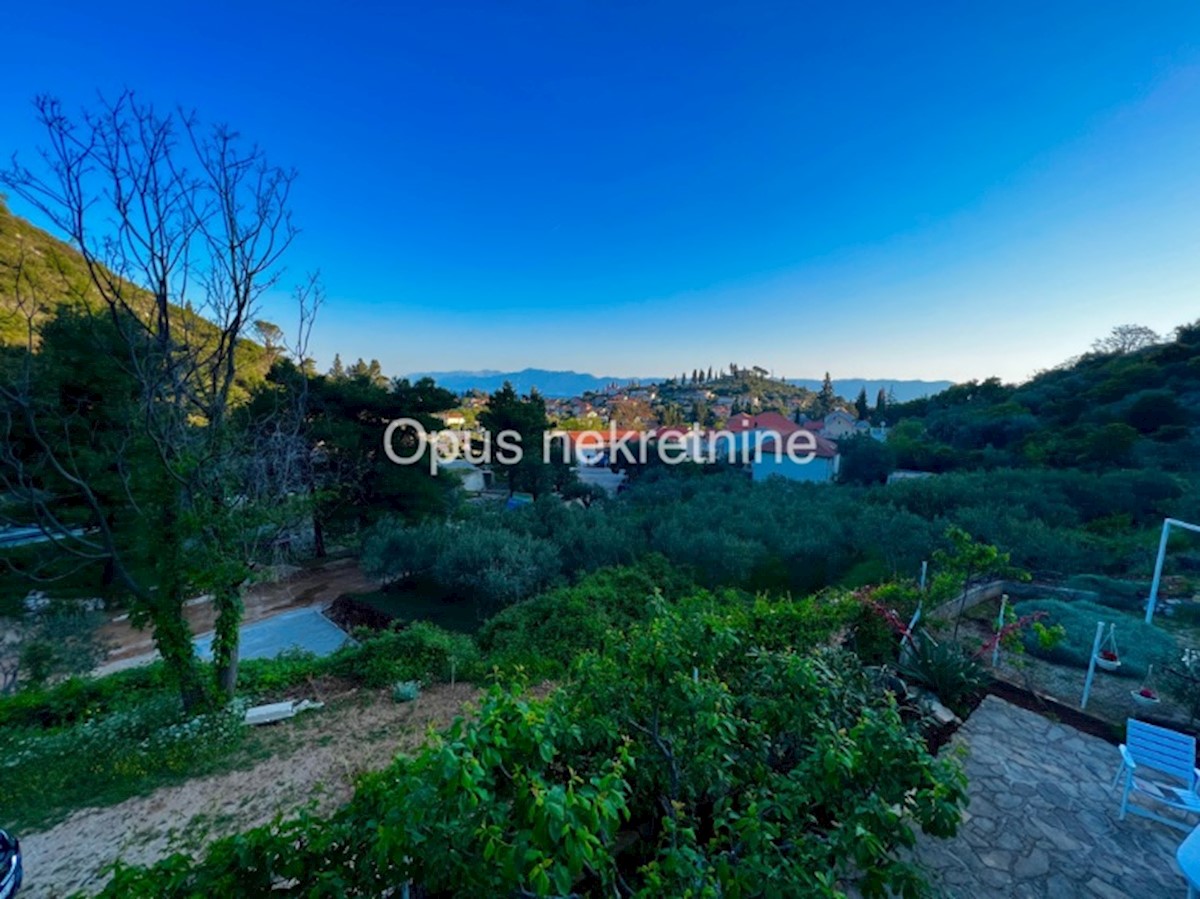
(876, 190)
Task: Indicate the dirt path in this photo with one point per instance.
(317, 586)
(321, 753)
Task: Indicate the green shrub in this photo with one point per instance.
(257, 677)
(420, 652)
(744, 769)
(1128, 596)
(405, 690)
(545, 633)
(1139, 644)
(492, 566)
(947, 670)
(80, 698)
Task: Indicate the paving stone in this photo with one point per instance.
(1035, 864)
(1043, 818)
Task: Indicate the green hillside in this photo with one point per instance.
(1117, 409)
(40, 273)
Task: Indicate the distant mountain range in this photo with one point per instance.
(548, 383)
(572, 383)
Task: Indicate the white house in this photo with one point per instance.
(838, 424)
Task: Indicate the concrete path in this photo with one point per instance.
(1042, 821)
(305, 629)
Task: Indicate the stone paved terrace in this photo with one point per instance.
(1042, 821)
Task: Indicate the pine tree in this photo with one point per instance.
(710, 377)
(860, 405)
(375, 373)
(826, 398)
(881, 405)
(337, 371)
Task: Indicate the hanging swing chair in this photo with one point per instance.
(1108, 659)
(1145, 695)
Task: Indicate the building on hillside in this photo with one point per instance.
(772, 460)
(838, 424)
(471, 478)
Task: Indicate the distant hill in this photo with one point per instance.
(903, 390)
(548, 383)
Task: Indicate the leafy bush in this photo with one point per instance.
(257, 677)
(493, 566)
(420, 652)
(81, 698)
(743, 768)
(1140, 644)
(1128, 596)
(393, 551)
(545, 633)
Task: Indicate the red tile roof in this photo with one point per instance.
(740, 422)
(764, 421)
(773, 421)
(823, 449)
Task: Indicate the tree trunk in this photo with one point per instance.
(227, 674)
(227, 601)
(318, 536)
(172, 635)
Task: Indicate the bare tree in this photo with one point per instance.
(181, 228)
(1126, 339)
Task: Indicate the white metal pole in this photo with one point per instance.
(1087, 684)
(999, 631)
(1158, 567)
(1162, 554)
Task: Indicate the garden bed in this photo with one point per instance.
(1052, 681)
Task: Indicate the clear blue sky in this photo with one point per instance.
(635, 188)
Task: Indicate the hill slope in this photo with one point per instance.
(1138, 408)
(40, 273)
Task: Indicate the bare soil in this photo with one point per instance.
(315, 760)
